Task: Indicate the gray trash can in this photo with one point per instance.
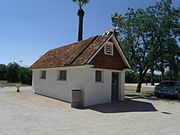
(77, 99)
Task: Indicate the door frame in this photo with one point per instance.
(118, 86)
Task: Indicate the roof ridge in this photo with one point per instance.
(108, 36)
(71, 44)
(83, 50)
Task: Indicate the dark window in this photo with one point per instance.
(98, 76)
(43, 74)
(62, 75)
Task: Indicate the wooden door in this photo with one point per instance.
(115, 86)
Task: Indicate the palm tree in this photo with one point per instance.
(80, 13)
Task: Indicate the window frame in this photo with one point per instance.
(102, 76)
(43, 75)
(112, 48)
(59, 75)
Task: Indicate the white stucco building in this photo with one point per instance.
(95, 66)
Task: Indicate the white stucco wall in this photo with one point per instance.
(98, 92)
(59, 89)
(82, 78)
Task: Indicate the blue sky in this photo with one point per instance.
(29, 28)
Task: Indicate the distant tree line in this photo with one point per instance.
(15, 73)
(150, 38)
(132, 77)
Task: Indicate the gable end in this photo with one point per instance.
(116, 61)
(101, 60)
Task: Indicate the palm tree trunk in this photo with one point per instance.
(80, 30)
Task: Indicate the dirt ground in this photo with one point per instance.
(26, 113)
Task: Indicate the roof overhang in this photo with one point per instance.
(65, 67)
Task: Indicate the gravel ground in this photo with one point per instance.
(26, 113)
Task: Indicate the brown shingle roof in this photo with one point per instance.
(71, 55)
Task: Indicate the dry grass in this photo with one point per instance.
(11, 85)
(146, 91)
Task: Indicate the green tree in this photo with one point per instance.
(25, 76)
(12, 73)
(80, 13)
(134, 40)
(167, 34)
(2, 72)
(131, 76)
(149, 37)
(176, 67)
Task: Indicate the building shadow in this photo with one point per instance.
(150, 96)
(127, 105)
(147, 96)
